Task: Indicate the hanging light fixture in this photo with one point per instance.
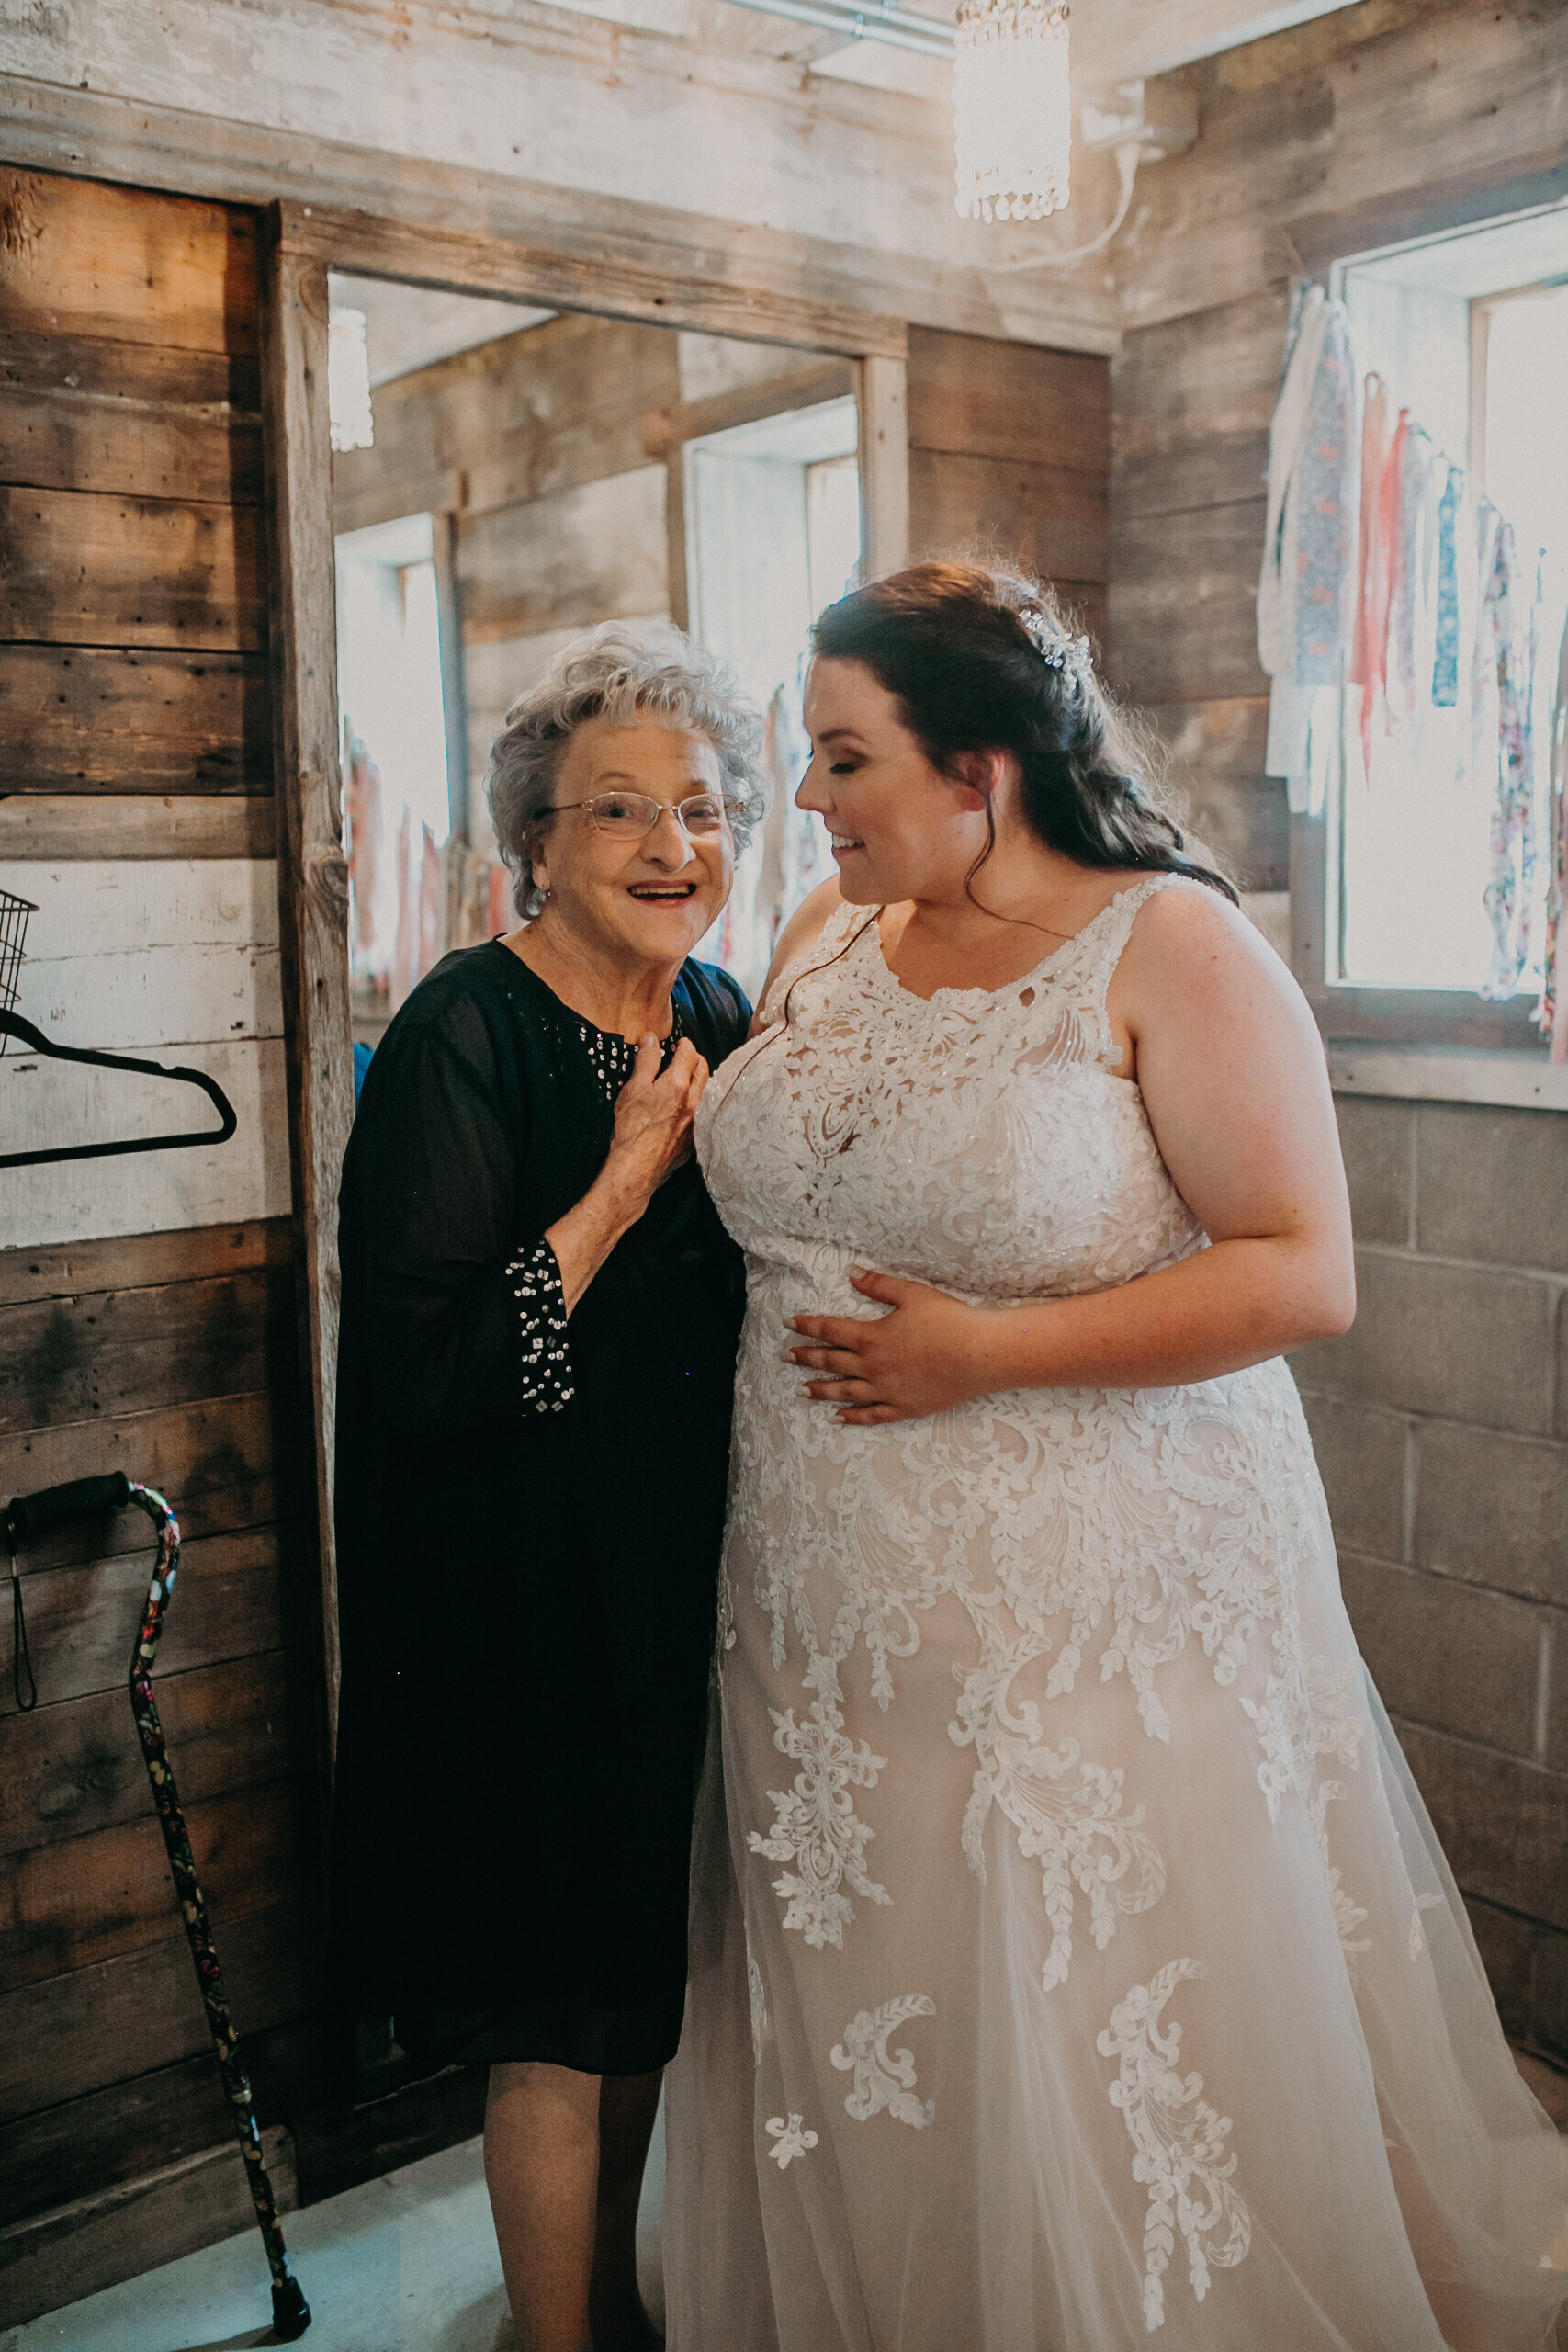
(348, 381)
(1011, 114)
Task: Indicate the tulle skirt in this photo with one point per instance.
(1152, 2013)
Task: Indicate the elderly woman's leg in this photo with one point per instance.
(541, 2169)
(627, 2105)
(564, 2157)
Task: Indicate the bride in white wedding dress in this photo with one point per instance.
(1073, 1959)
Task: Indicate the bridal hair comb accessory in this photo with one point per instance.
(1058, 648)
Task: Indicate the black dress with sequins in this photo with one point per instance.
(529, 1515)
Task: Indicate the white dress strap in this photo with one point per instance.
(828, 943)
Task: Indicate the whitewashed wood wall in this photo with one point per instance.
(175, 960)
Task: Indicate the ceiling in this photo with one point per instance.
(1113, 41)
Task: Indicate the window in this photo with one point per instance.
(1470, 334)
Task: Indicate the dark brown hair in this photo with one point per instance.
(949, 642)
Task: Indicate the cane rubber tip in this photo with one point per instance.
(290, 2312)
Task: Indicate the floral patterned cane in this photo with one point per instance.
(290, 2312)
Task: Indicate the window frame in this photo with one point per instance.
(1352, 1012)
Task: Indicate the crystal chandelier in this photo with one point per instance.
(1011, 115)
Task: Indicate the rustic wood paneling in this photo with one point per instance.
(82, 412)
(91, 718)
(980, 398)
(1048, 520)
(1222, 796)
(62, 2038)
(224, 1463)
(512, 421)
(81, 258)
(130, 2128)
(134, 1259)
(1183, 604)
(90, 568)
(69, 1906)
(235, 1595)
(579, 556)
(1192, 403)
(125, 1351)
(78, 1767)
(45, 825)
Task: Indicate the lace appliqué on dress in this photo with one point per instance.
(536, 1281)
(884, 2077)
(1179, 2143)
(789, 2141)
(816, 1827)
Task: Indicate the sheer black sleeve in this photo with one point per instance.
(464, 1316)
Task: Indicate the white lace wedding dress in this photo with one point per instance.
(1080, 1961)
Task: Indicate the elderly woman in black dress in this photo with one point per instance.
(540, 1311)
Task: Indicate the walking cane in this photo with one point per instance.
(29, 1515)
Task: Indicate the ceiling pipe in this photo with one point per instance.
(898, 27)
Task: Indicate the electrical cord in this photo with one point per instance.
(1128, 156)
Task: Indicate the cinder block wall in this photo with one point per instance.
(1440, 1420)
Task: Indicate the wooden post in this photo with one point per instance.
(881, 391)
(312, 878)
(454, 699)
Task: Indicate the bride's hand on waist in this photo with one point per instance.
(923, 1356)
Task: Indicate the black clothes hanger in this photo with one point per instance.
(13, 1025)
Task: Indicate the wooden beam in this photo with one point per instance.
(667, 429)
(47, 122)
(607, 288)
(882, 393)
(313, 880)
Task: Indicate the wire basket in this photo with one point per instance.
(14, 913)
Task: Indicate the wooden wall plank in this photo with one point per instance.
(1220, 793)
(1192, 404)
(568, 561)
(81, 412)
(85, 568)
(1041, 517)
(107, 2023)
(124, 1352)
(226, 1461)
(110, 719)
(45, 1103)
(77, 1767)
(129, 1261)
(81, 258)
(979, 397)
(234, 1595)
(117, 2133)
(70, 1905)
(45, 827)
(512, 421)
(1183, 604)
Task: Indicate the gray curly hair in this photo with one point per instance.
(615, 673)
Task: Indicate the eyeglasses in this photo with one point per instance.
(632, 816)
